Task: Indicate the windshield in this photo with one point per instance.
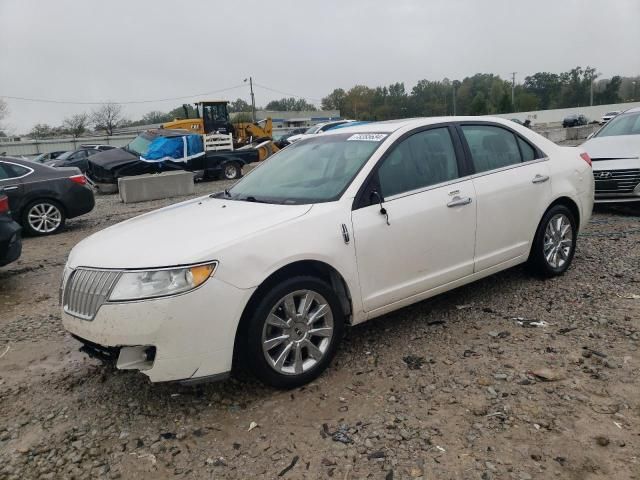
(315, 170)
(139, 145)
(65, 155)
(623, 124)
(313, 129)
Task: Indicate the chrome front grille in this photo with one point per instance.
(616, 181)
(86, 290)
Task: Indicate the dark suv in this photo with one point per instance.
(574, 120)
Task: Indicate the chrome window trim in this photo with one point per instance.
(31, 170)
(463, 179)
(509, 167)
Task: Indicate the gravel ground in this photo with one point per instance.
(509, 378)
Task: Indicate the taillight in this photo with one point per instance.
(585, 156)
(79, 179)
(4, 204)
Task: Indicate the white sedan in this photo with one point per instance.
(329, 232)
(317, 129)
(615, 151)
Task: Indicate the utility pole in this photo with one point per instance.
(513, 90)
(593, 77)
(253, 100)
(454, 99)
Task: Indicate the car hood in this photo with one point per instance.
(619, 146)
(115, 157)
(189, 232)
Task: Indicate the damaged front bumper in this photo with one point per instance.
(188, 337)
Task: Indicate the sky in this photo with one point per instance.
(139, 50)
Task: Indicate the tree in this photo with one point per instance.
(290, 104)
(155, 116)
(41, 130)
(610, 92)
(4, 112)
(108, 117)
(334, 101)
(239, 105)
(76, 125)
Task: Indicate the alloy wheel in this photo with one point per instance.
(558, 241)
(298, 332)
(44, 217)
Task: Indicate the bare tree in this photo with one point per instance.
(107, 117)
(4, 111)
(77, 124)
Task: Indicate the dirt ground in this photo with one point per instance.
(512, 377)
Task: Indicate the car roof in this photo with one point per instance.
(632, 110)
(390, 126)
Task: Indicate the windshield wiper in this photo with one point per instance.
(251, 198)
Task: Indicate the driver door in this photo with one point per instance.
(429, 238)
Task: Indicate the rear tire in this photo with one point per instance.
(555, 242)
(43, 217)
(294, 332)
(231, 171)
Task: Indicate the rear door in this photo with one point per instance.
(513, 189)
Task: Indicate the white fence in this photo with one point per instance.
(34, 147)
(555, 116)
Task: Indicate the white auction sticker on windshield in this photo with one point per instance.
(368, 137)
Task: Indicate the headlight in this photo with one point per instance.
(160, 283)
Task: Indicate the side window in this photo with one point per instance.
(4, 172)
(8, 170)
(528, 153)
(491, 147)
(423, 159)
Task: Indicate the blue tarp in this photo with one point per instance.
(174, 148)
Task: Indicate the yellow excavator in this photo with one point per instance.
(212, 116)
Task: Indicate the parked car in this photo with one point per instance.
(97, 146)
(46, 157)
(10, 241)
(42, 198)
(316, 129)
(283, 141)
(335, 230)
(615, 152)
(574, 120)
(106, 167)
(74, 158)
(608, 116)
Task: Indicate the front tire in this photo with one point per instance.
(294, 332)
(43, 217)
(555, 242)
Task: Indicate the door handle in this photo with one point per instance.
(540, 178)
(457, 201)
(11, 187)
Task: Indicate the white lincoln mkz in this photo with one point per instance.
(331, 231)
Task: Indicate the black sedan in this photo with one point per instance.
(47, 157)
(74, 158)
(42, 197)
(574, 120)
(10, 241)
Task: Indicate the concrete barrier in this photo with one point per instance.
(155, 186)
(577, 133)
(572, 133)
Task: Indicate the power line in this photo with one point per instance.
(288, 94)
(132, 102)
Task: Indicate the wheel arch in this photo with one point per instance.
(314, 268)
(571, 204)
(30, 200)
